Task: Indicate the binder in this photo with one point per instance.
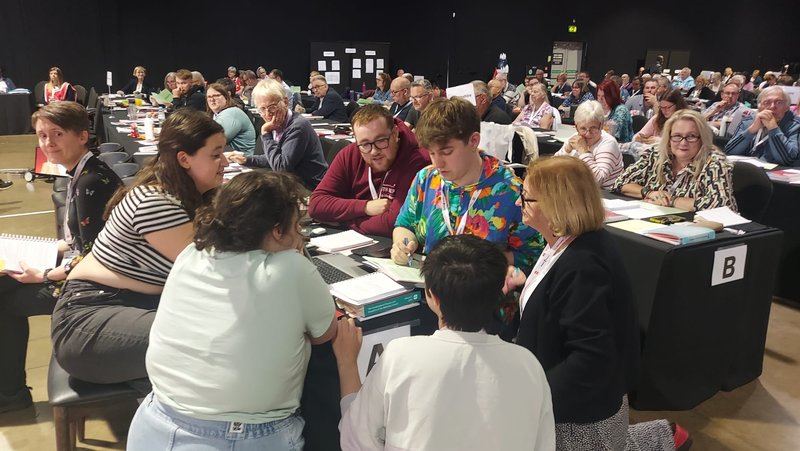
(37, 252)
(382, 306)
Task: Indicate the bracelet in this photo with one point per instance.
(645, 192)
(44, 275)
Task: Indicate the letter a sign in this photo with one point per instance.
(729, 264)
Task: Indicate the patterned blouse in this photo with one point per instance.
(712, 188)
(623, 124)
(532, 117)
(494, 215)
(569, 101)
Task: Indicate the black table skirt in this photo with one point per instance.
(15, 114)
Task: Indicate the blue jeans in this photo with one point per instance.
(159, 427)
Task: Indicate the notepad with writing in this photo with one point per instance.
(365, 289)
(399, 273)
(680, 234)
(36, 252)
(341, 241)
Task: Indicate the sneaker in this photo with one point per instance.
(5, 184)
(681, 437)
(18, 400)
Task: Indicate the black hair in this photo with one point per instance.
(466, 274)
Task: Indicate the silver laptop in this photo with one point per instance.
(336, 267)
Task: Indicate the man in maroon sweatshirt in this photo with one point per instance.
(367, 182)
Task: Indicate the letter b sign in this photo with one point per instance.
(729, 264)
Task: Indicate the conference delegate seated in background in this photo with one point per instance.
(635, 88)
(233, 75)
(137, 84)
(650, 134)
(685, 171)
(577, 314)
(496, 92)
(6, 84)
(618, 117)
(483, 103)
(715, 84)
(329, 103)
(444, 391)
(383, 92)
(745, 97)
(561, 86)
(626, 83)
(421, 96)
(624, 94)
(464, 191)
(56, 89)
(401, 94)
(101, 322)
(579, 94)
(63, 131)
(290, 143)
(524, 97)
(592, 145)
(772, 134)
(684, 80)
(725, 108)
(187, 93)
(537, 113)
(244, 268)
(727, 74)
(368, 181)
(236, 101)
(249, 82)
(769, 80)
(170, 81)
(239, 133)
(700, 90)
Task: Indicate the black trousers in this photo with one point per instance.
(18, 301)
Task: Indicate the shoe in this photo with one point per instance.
(5, 184)
(683, 441)
(19, 400)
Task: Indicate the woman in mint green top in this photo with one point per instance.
(239, 131)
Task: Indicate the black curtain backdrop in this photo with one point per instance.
(86, 38)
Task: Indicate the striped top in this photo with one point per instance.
(121, 246)
(603, 159)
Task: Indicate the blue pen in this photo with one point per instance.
(405, 243)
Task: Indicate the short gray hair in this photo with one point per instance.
(481, 87)
(319, 78)
(422, 83)
(772, 89)
(269, 88)
(589, 111)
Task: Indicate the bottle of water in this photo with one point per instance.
(162, 114)
(649, 114)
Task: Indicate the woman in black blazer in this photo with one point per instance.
(577, 313)
(137, 84)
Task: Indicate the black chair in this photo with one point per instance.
(351, 109)
(125, 169)
(109, 147)
(73, 400)
(752, 190)
(91, 101)
(59, 198)
(627, 159)
(81, 94)
(112, 158)
(639, 121)
(38, 93)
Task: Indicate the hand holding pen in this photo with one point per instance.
(403, 251)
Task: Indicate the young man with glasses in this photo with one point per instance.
(290, 143)
(421, 96)
(400, 89)
(329, 103)
(772, 134)
(369, 179)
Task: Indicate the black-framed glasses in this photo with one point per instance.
(314, 88)
(525, 199)
(398, 91)
(418, 98)
(688, 138)
(380, 144)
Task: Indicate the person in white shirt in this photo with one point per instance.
(230, 343)
(460, 388)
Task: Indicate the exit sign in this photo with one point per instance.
(572, 28)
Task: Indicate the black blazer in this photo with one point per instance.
(128, 88)
(580, 323)
(332, 107)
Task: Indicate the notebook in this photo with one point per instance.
(398, 273)
(680, 234)
(36, 252)
(366, 289)
(341, 241)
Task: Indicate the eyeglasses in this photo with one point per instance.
(525, 199)
(688, 138)
(592, 129)
(771, 103)
(380, 144)
(314, 88)
(730, 93)
(666, 107)
(418, 98)
(398, 91)
(271, 109)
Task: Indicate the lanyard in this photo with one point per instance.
(462, 223)
(71, 193)
(400, 108)
(372, 190)
(543, 265)
(759, 140)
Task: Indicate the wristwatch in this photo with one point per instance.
(45, 274)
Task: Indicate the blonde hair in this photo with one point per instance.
(139, 68)
(269, 88)
(569, 195)
(665, 146)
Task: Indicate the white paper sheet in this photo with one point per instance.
(466, 91)
(349, 50)
(369, 52)
(322, 65)
(379, 63)
(335, 65)
(332, 78)
(356, 73)
(356, 63)
(329, 53)
(723, 215)
(374, 344)
(369, 64)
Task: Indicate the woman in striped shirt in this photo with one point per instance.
(102, 319)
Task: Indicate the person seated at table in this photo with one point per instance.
(561, 86)
(403, 403)
(383, 92)
(577, 315)
(580, 93)
(401, 94)
(685, 171)
(277, 75)
(186, 93)
(772, 134)
(725, 108)
(63, 131)
(618, 117)
(137, 85)
(747, 98)
(421, 96)
(233, 74)
(199, 80)
(56, 89)
(537, 113)
(483, 103)
(368, 180)
(249, 81)
(646, 101)
(684, 80)
(170, 81)
(635, 88)
(650, 134)
(290, 143)
(715, 84)
(329, 103)
(700, 90)
(239, 132)
(236, 101)
(464, 191)
(626, 83)
(524, 97)
(6, 84)
(508, 90)
(592, 145)
(769, 80)
(495, 91)
(624, 94)
(101, 322)
(246, 266)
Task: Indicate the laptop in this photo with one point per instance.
(336, 267)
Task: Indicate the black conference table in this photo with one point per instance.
(15, 113)
(783, 213)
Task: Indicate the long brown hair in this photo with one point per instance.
(673, 96)
(186, 130)
(224, 92)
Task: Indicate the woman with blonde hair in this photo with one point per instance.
(686, 170)
(137, 85)
(538, 113)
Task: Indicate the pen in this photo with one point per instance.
(405, 243)
(734, 231)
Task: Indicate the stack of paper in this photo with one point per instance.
(722, 215)
(341, 241)
(366, 289)
(752, 160)
(785, 175)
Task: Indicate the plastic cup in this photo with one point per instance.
(138, 102)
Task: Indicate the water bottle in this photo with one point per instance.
(649, 114)
(149, 132)
(363, 87)
(162, 114)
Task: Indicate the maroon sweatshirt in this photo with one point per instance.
(344, 191)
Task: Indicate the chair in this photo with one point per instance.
(91, 101)
(112, 158)
(109, 147)
(59, 198)
(128, 181)
(351, 109)
(125, 169)
(73, 400)
(38, 93)
(752, 190)
(80, 94)
(639, 122)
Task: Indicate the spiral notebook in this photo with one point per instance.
(36, 252)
